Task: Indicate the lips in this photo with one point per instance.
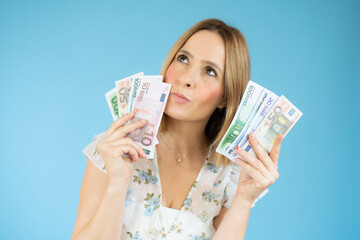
(180, 98)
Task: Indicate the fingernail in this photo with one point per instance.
(237, 147)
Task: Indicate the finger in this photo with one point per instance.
(119, 122)
(127, 149)
(121, 132)
(275, 151)
(261, 153)
(259, 179)
(129, 141)
(253, 161)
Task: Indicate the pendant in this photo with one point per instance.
(179, 159)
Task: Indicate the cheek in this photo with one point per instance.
(170, 75)
(212, 95)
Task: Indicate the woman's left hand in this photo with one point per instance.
(262, 171)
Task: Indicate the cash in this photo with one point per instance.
(148, 99)
(136, 85)
(146, 96)
(269, 101)
(280, 119)
(122, 92)
(111, 100)
(260, 112)
(249, 101)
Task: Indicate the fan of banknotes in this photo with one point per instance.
(263, 113)
(147, 97)
(260, 112)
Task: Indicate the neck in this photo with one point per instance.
(184, 137)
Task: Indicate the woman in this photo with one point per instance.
(188, 191)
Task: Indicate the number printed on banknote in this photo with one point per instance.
(122, 92)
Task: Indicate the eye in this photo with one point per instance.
(182, 58)
(210, 71)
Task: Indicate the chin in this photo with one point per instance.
(177, 114)
(185, 115)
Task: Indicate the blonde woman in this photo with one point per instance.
(188, 191)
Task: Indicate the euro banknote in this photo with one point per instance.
(263, 113)
(260, 115)
(251, 95)
(265, 107)
(136, 85)
(280, 119)
(258, 104)
(111, 100)
(122, 92)
(120, 103)
(149, 99)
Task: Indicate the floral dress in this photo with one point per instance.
(145, 217)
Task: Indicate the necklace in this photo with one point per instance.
(181, 157)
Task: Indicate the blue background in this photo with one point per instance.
(58, 58)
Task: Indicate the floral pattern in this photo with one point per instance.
(151, 204)
(145, 176)
(203, 216)
(156, 233)
(177, 227)
(208, 196)
(217, 183)
(135, 236)
(212, 167)
(213, 188)
(199, 237)
(187, 204)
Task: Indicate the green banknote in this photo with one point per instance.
(251, 95)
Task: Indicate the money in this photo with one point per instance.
(260, 115)
(111, 100)
(122, 93)
(260, 112)
(280, 119)
(231, 150)
(251, 95)
(135, 85)
(149, 97)
(263, 113)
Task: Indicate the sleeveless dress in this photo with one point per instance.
(145, 217)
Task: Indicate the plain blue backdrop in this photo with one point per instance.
(58, 58)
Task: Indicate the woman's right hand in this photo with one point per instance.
(115, 144)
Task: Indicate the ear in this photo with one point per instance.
(222, 104)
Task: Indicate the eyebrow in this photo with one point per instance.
(205, 61)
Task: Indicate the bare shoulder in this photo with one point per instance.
(218, 219)
(92, 188)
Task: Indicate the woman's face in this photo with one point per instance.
(197, 77)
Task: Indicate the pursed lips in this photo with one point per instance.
(180, 97)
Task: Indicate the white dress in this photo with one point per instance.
(145, 218)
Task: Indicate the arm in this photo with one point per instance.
(102, 196)
(101, 206)
(236, 219)
(260, 173)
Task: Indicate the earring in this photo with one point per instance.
(220, 107)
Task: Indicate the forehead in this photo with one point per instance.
(208, 46)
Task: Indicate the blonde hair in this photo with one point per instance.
(236, 77)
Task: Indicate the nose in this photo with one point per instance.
(188, 78)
